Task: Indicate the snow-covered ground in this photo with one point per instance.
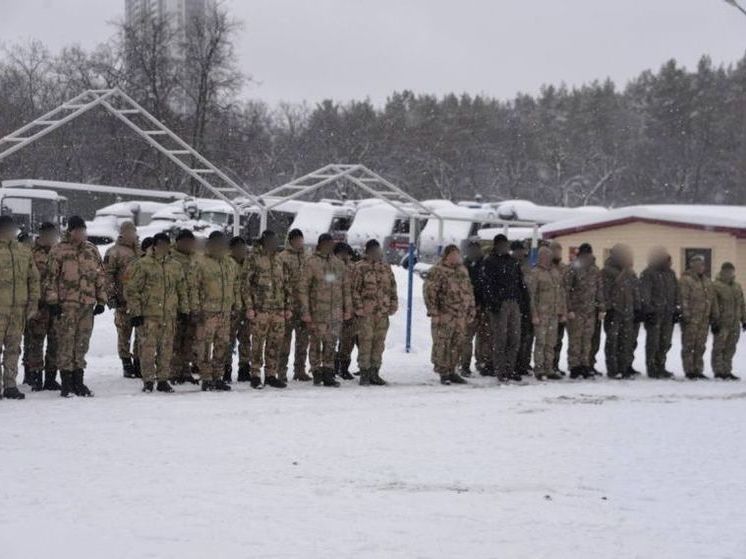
(568, 469)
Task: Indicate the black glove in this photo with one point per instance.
(55, 310)
(677, 316)
(715, 327)
(137, 321)
(183, 317)
(98, 309)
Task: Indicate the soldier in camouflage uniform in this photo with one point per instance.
(19, 300)
(156, 292)
(116, 260)
(477, 339)
(325, 305)
(374, 300)
(267, 299)
(699, 312)
(293, 259)
(184, 356)
(548, 310)
(75, 292)
(523, 361)
(658, 297)
(39, 327)
(449, 298)
(240, 327)
(732, 311)
(562, 268)
(585, 307)
(215, 295)
(348, 337)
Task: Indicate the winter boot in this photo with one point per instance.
(465, 371)
(128, 369)
(344, 370)
(208, 386)
(576, 372)
(13, 394)
(147, 386)
(222, 386)
(337, 366)
(632, 372)
(731, 376)
(50, 381)
(164, 386)
(36, 381)
(445, 380)
(244, 373)
(554, 375)
(364, 377)
(318, 376)
(375, 377)
(275, 382)
(26, 376)
(228, 373)
(327, 377)
(68, 386)
(302, 376)
(455, 378)
(136, 367)
(80, 388)
(256, 383)
(488, 371)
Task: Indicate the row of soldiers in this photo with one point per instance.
(500, 310)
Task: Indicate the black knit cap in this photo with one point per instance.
(161, 238)
(499, 239)
(585, 248)
(76, 222)
(47, 226)
(324, 238)
(185, 235)
(216, 236)
(147, 242)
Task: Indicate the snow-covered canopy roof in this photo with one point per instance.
(24, 193)
(525, 210)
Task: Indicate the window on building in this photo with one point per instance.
(689, 253)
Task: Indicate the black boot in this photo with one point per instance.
(136, 368)
(128, 369)
(26, 374)
(164, 386)
(364, 377)
(445, 380)
(375, 377)
(327, 377)
(576, 372)
(50, 381)
(68, 385)
(731, 376)
(36, 381)
(455, 378)
(275, 382)
(222, 386)
(256, 382)
(13, 394)
(488, 371)
(80, 388)
(337, 366)
(344, 370)
(587, 373)
(465, 371)
(207, 386)
(147, 386)
(318, 376)
(228, 373)
(244, 373)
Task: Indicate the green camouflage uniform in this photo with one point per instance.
(585, 300)
(240, 328)
(548, 303)
(562, 270)
(116, 261)
(730, 302)
(156, 290)
(374, 299)
(215, 294)
(449, 297)
(293, 262)
(349, 335)
(325, 297)
(621, 298)
(19, 298)
(184, 352)
(40, 326)
(267, 294)
(698, 311)
(659, 294)
(77, 283)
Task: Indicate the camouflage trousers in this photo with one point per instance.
(477, 341)
(693, 345)
(347, 340)
(12, 323)
(505, 328)
(657, 344)
(371, 332)
(184, 350)
(580, 332)
(525, 349)
(124, 334)
(724, 349)
(38, 329)
(620, 344)
(595, 343)
(267, 331)
(73, 331)
(448, 341)
(240, 335)
(322, 344)
(297, 326)
(212, 342)
(156, 347)
(558, 346)
(545, 344)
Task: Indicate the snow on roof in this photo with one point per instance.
(524, 210)
(372, 221)
(513, 233)
(314, 219)
(82, 187)
(717, 217)
(127, 209)
(24, 193)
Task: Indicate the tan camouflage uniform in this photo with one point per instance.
(116, 261)
(240, 327)
(293, 262)
(40, 326)
(349, 335)
(698, 311)
(548, 304)
(585, 300)
(184, 352)
(730, 302)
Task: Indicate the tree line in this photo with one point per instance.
(673, 135)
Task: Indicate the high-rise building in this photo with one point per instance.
(177, 12)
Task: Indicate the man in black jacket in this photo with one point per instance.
(504, 288)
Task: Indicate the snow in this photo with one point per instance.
(85, 187)
(513, 233)
(372, 221)
(23, 193)
(315, 219)
(523, 210)
(567, 469)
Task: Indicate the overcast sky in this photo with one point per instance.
(345, 49)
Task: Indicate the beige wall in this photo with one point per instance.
(644, 236)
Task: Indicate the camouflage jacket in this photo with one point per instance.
(373, 289)
(76, 274)
(584, 289)
(265, 287)
(186, 261)
(294, 261)
(697, 299)
(449, 293)
(324, 290)
(215, 284)
(19, 278)
(243, 270)
(730, 303)
(657, 293)
(156, 288)
(671, 289)
(116, 261)
(621, 291)
(547, 293)
(40, 255)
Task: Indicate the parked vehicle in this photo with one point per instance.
(103, 229)
(30, 208)
(314, 219)
(385, 223)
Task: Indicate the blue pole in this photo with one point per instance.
(410, 289)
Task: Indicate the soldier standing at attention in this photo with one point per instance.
(699, 312)
(266, 296)
(325, 304)
(562, 268)
(156, 292)
(19, 300)
(184, 354)
(294, 259)
(348, 337)
(116, 260)
(732, 311)
(477, 338)
(75, 292)
(374, 300)
(215, 295)
(240, 334)
(657, 311)
(523, 361)
(39, 327)
(548, 309)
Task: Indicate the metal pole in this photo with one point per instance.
(262, 220)
(534, 252)
(410, 281)
(440, 236)
(236, 221)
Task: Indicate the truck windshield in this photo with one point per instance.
(29, 213)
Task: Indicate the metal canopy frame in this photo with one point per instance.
(145, 125)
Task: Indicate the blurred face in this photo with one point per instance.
(698, 267)
(585, 259)
(270, 244)
(502, 247)
(474, 252)
(454, 258)
(217, 247)
(297, 243)
(129, 236)
(556, 253)
(239, 252)
(48, 238)
(325, 248)
(79, 235)
(161, 248)
(519, 254)
(545, 258)
(8, 233)
(187, 246)
(375, 253)
(728, 274)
